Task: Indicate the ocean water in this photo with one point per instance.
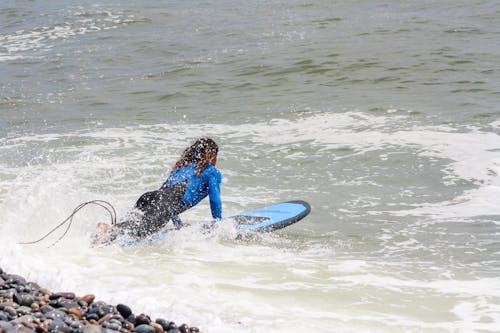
(383, 115)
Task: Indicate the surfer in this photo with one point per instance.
(192, 178)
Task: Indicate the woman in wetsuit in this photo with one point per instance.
(191, 179)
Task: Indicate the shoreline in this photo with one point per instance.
(27, 307)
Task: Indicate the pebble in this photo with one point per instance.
(88, 298)
(90, 328)
(24, 299)
(112, 326)
(75, 312)
(26, 307)
(5, 326)
(93, 316)
(62, 295)
(23, 310)
(16, 279)
(144, 328)
(184, 328)
(4, 316)
(10, 310)
(164, 323)
(56, 324)
(46, 308)
(105, 318)
(124, 310)
(142, 319)
(24, 319)
(54, 314)
(158, 328)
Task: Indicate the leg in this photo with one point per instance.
(102, 235)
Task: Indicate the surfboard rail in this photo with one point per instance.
(272, 217)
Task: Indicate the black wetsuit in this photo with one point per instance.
(182, 190)
(157, 208)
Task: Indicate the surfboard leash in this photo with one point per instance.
(102, 203)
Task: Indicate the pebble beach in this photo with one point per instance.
(27, 307)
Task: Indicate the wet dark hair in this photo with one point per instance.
(199, 153)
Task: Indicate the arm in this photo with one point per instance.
(176, 220)
(214, 194)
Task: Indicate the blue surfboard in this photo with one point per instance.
(265, 219)
(272, 217)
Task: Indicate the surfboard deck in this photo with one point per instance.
(272, 217)
(264, 219)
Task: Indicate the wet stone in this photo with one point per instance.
(131, 319)
(4, 316)
(56, 324)
(38, 315)
(92, 316)
(64, 303)
(112, 326)
(158, 328)
(23, 310)
(108, 309)
(9, 294)
(54, 303)
(8, 304)
(35, 307)
(46, 308)
(24, 299)
(42, 328)
(127, 325)
(5, 326)
(124, 310)
(24, 319)
(44, 291)
(88, 298)
(102, 310)
(164, 323)
(54, 314)
(142, 319)
(76, 324)
(105, 318)
(90, 328)
(10, 310)
(75, 312)
(118, 317)
(115, 321)
(83, 304)
(33, 285)
(184, 328)
(67, 295)
(17, 279)
(22, 329)
(143, 328)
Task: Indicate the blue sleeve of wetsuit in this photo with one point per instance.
(214, 194)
